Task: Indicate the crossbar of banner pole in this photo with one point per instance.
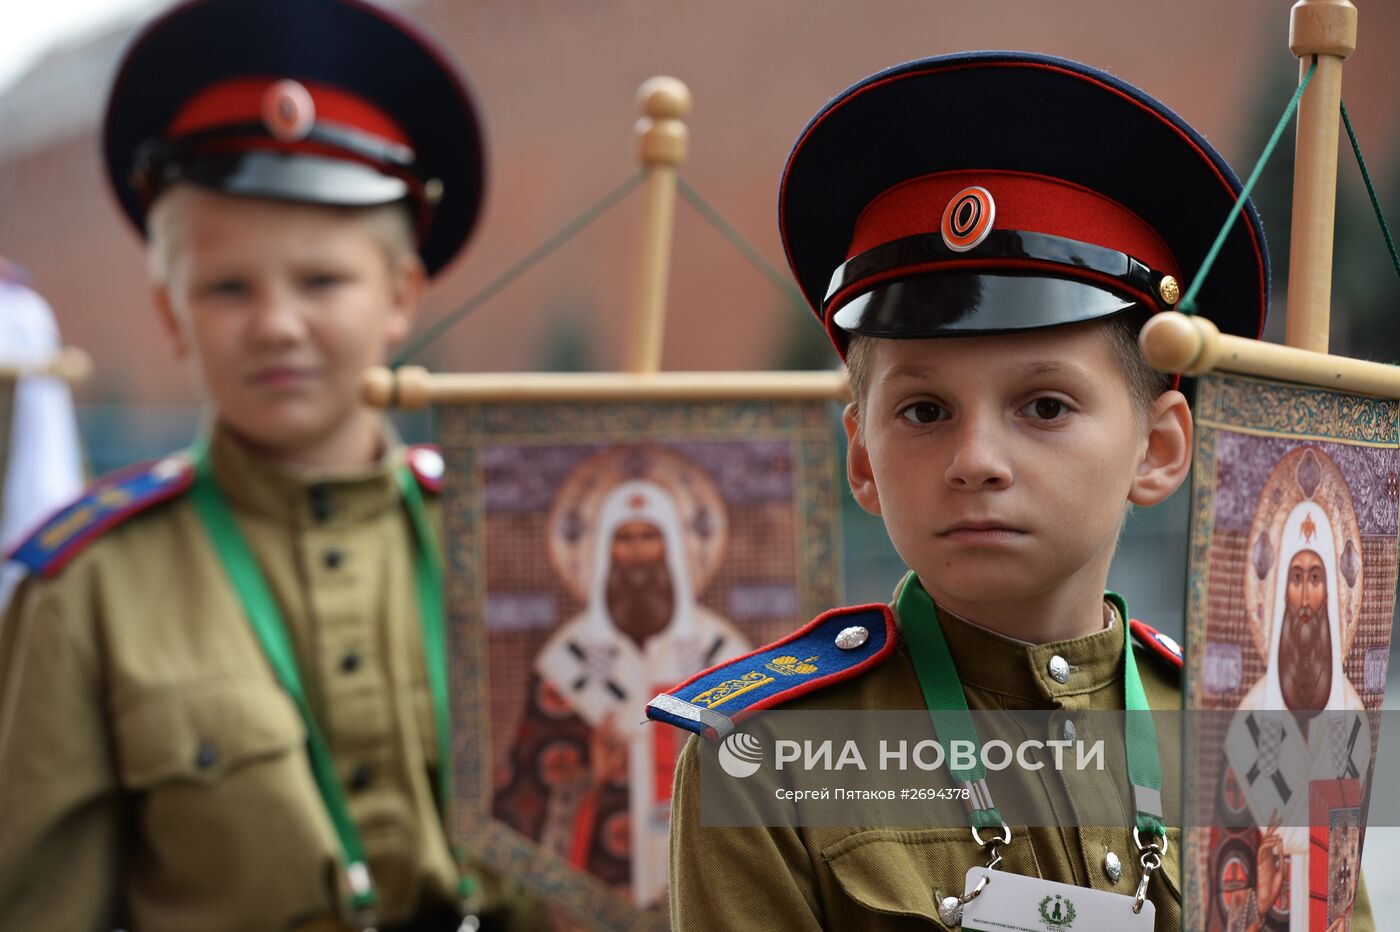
(415, 387)
(1191, 345)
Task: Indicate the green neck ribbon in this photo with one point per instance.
(952, 721)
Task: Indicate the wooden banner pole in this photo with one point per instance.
(414, 387)
(1175, 342)
(662, 141)
(1325, 29)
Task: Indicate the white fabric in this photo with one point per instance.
(44, 471)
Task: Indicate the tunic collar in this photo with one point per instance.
(1014, 668)
(306, 497)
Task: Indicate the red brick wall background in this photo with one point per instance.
(556, 81)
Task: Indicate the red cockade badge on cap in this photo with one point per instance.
(968, 218)
(288, 111)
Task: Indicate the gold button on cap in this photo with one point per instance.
(1169, 289)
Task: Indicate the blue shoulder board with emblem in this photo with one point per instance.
(837, 646)
(106, 504)
(1163, 645)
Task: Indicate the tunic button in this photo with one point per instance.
(207, 755)
(1113, 867)
(333, 559)
(320, 501)
(1070, 731)
(350, 662)
(1059, 669)
(360, 778)
(851, 638)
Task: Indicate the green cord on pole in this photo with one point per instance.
(566, 233)
(736, 239)
(1371, 190)
(1188, 303)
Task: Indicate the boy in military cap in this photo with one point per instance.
(982, 236)
(223, 699)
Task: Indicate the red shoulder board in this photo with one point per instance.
(426, 462)
(109, 502)
(1163, 645)
(838, 645)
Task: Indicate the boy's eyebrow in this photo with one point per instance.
(906, 370)
(1032, 370)
(1044, 367)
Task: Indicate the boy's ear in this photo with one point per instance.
(1166, 453)
(409, 279)
(858, 469)
(169, 320)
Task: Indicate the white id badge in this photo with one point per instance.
(1016, 903)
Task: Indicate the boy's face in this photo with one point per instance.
(1003, 464)
(282, 307)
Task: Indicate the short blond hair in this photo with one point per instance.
(390, 224)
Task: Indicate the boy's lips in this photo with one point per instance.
(982, 532)
(281, 376)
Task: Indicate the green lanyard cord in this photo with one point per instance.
(1140, 738)
(952, 720)
(943, 693)
(265, 618)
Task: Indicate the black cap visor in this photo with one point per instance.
(969, 303)
(303, 178)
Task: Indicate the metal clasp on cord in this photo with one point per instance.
(950, 907)
(992, 844)
(1151, 860)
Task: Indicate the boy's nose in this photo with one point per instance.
(977, 461)
(277, 320)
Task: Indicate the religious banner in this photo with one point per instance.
(1290, 595)
(597, 552)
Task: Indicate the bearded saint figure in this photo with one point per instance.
(588, 779)
(1275, 757)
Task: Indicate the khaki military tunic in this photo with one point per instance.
(887, 878)
(154, 774)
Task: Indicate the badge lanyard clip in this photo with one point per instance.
(950, 908)
(1151, 859)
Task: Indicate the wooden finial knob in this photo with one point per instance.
(72, 365)
(1174, 342)
(415, 387)
(406, 387)
(1322, 27)
(662, 135)
(378, 386)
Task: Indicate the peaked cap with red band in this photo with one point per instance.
(337, 102)
(989, 192)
